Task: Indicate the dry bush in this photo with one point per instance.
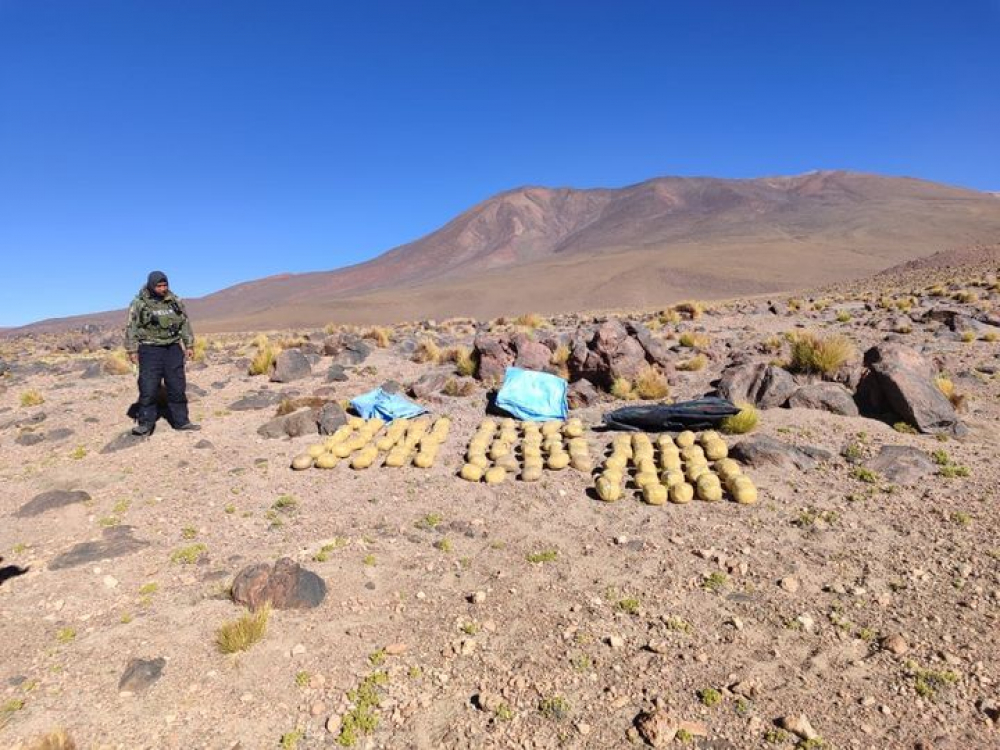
(530, 320)
(947, 388)
(465, 359)
(694, 340)
(456, 388)
(823, 355)
(200, 348)
(117, 363)
(263, 360)
(690, 308)
(668, 317)
(741, 423)
(289, 405)
(697, 362)
(57, 739)
(651, 384)
(427, 351)
(32, 398)
(622, 388)
(966, 296)
(241, 634)
(379, 335)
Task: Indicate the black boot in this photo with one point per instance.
(142, 429)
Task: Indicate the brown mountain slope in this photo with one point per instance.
(647, 244)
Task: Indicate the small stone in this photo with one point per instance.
(583, 729)
(746, 688)
(868, 701)
(885, 710)
(467, 646)
(333, 724)
(246, 698)
(798, 725)
(736, 622)
(895, 644)
(317, 708)
(140, 674)
(657, 727)
(478, 598)
(658, 647)
(421, 595)
(789, 584)
(110, 582)
(317, 681)
(298, 649)
(396, 649)
(807, 622)
(616, 642)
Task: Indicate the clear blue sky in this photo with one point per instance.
(226, 140)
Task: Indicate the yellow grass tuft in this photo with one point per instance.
(690, 308)
(263, 360)
(200, 348)
(947, 388)
(651, 384)
(697, 362)
(465, 359)
(427, 351)
(57, 739)
(32, 398)
(379, 335)
(622, 388)
(741, 423)
(241, 634)
(694, 340)
(824, 355)
(530, 320)
(117, 363)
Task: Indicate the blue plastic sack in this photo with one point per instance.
(533, 396)
(386, 406)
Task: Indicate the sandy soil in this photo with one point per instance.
(782, 607)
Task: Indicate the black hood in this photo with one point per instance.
(154, 278)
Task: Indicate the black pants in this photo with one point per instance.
(166, 364)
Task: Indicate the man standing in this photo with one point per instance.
(158, 336)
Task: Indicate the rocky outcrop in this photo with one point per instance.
(831, 397)
(758, 383)
(899, 386)
(289, 365)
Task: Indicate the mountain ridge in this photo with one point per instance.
(561, 249)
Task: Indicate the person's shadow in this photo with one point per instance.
(11, 571)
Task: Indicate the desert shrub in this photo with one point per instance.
(465, 359)
(843, 316)
(529, 320)
(379, 335)
(457, 388)
(691, 308)
(242, 633)
(694, 340)
(117, 363)
(990, 336)
(795, 304)
(968, 337)
(948, 390)
(697, 362)
(622, 388)
(427, 351)
(200, 349)
(263, 360)
(561, 355)
(773, 344)
(824, 355)
(937, 291)
(965, 296)
(743, 422)
(32, 398)
(57, 739)
(668, 317)
(651, 384)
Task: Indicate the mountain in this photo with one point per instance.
(559, 249)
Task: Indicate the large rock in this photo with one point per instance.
(286, 586)
(428, 384)
(256, 400)
(609, 354)
(902, 464)
(531, 355)
(495, 354)
(761, 450)
(289, 365)
(296, 424)
(51, 500)
(899, 385)
(657, 351)
(582, 394)
(763, 385)
(831, 397)
(331, 416)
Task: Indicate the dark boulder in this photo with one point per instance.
(296, 424)
(899, 386)
(831, 397)
(761, 450)
(902, 464)
(286, 586)
(763, 385)
(290, 365)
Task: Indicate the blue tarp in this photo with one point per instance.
(533, 396)
(387, 406)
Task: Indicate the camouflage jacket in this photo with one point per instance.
(156, 320)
